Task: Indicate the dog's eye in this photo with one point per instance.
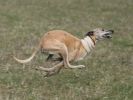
(102, 29)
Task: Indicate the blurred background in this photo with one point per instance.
(109, 68)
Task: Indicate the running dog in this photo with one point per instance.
(68, 48)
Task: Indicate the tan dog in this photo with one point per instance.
(67, 47)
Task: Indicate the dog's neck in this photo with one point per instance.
(93, 38)
(88, 43)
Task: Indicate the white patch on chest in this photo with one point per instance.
(87, 43)
(88, 46)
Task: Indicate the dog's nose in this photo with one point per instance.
(112, 31)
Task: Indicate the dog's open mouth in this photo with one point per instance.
(108, 34)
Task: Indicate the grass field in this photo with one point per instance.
(109, 69)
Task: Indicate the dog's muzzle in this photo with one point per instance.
(108, 34)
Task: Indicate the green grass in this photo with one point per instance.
(109, 69)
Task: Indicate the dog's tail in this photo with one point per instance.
(28, 59)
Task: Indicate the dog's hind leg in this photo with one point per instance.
(57, 69)
(60, 48)
(64, 53)
(52, 71)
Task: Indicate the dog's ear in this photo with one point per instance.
(90, 33)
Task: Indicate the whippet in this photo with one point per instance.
(68, 48)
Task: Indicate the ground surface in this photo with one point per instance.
(109, 69)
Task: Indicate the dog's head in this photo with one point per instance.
(100, 34)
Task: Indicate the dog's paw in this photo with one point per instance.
(81, 66)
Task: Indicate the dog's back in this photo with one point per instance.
(61, 36)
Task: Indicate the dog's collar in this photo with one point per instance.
(93, 40)
(88, 43)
